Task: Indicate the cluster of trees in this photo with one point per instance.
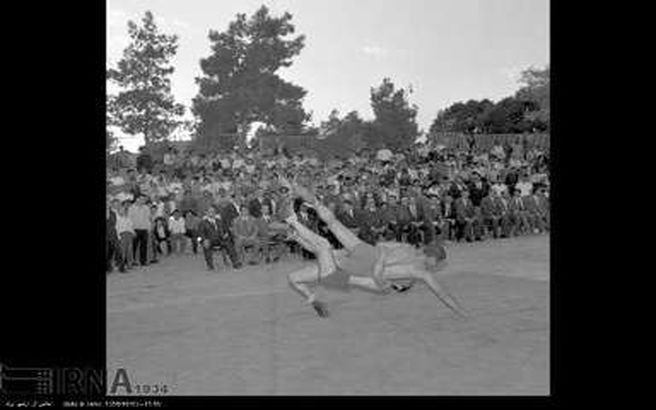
(240, 86)
(525, 111)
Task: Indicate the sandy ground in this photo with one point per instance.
(245, 332)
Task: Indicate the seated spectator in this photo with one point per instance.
(245, 232)
(447, 212)
(533, 212)
(491, 214)
(467, 222)
(478, 189)
(433, 222)
(524, 186)
(215, 233)
(371, 226)
(347, 216)
(501, 202)
(543, 207)
(389, 214)
(518, 216)
(416, 226)
(498, 187)
(178, 231)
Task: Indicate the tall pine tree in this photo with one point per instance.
(395, 125)
(240, 86)
(145, 104)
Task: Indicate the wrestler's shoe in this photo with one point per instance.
(320, 308)
(400, 288)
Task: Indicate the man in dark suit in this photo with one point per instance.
(432, 220)
(370, 223)
(502, 205)
(467, 224)
(388, 216)
(113, 249)
(417, 222)
(404, 219)
(518, 215)
(447, 212)
(214, 231)
(533, 213)
(478, 189)
(228, 208)
(543, 207)
(255, 204)
(491, 214)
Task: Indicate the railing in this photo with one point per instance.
(487, 141)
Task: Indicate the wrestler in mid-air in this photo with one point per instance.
(359, 263)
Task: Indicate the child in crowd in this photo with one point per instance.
(162, 237)
(177, 230)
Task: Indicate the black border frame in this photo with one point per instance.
(60, 293)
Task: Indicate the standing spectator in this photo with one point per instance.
(161, 236)
(113, 249)
(139, 213)
(191, 229)
(178, 231)
(125, 232)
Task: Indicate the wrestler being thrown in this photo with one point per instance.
(359, 263)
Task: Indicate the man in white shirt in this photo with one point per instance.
(498, 187)
(139, 213)
(125, 232)
(524, 186)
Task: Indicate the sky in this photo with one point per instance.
(445, 50)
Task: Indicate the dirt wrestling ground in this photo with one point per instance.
(245, 333)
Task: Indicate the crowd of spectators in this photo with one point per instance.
(228, 202)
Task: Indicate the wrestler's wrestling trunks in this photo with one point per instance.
(339, 279)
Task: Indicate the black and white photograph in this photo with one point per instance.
(327, 198)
